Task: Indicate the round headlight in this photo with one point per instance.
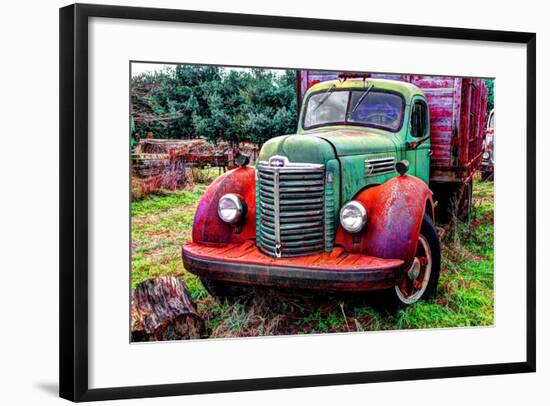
(353, 216)
(230, 208)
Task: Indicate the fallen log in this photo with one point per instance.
(162, 310)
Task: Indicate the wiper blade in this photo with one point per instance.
(324, 99)
(365, 93)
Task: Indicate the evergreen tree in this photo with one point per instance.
(490, 83)
(218, 104)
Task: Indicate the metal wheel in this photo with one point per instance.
(415, 283)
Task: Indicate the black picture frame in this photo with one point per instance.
(73, 300)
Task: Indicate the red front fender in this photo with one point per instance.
(395, 211)
(208, 229)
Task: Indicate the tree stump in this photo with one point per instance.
(162, 310)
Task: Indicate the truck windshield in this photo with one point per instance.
(352, 107)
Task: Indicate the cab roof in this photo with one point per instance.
(408, 90)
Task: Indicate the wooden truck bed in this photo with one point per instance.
(457, 119)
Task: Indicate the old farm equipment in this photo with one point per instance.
(153, 156)
(345, 203)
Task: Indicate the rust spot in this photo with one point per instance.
(208, 228)
(336, 270)
(395, 211)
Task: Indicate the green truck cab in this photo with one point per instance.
(342, 205)
(366, 125)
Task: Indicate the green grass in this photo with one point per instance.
(160, 225)
(465, 296)
(156, 204)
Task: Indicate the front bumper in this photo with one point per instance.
(329, 271)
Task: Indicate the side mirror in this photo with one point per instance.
(402, 167)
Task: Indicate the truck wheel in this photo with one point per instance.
(466, 200)
(420, 281)
(454, 202)
(223, 290)
(486, 175)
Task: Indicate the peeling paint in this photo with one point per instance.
(395, 211)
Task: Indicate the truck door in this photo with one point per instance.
(418, 139)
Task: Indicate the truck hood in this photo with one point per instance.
(304, 148)
(321, 146)
(357, 142)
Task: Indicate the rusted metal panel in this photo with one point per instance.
(482, 116)
(457, 102)
(465, 119)
(335, 270)
(208, 228)
(396, 209)
(474, 135)
(440, 95)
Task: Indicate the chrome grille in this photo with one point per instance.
(291, 208)
(379, 166)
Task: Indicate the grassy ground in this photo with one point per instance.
(160, 224)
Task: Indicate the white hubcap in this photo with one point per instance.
(415, 271)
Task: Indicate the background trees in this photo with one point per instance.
(490, 94)
(220, 104)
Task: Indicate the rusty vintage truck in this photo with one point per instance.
(349, 202)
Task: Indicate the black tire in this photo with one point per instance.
(454, 202)
(486, 176)
(224, 290)
(444, 196)
(466, 200)
(429, 233)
